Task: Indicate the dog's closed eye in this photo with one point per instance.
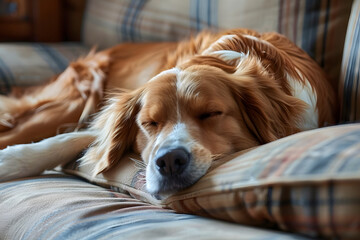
(211, 114)
(150, 124)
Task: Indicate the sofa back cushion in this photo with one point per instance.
(29, 64)
(317, 26)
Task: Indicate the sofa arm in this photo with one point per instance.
(350, 81)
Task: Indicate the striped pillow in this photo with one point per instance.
(317, 26)
(304, 183)
(27, 64)
(350, 70)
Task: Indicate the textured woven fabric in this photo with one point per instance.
(26, 64)
(350, 71)
(60, 207)
(303, 183)
(317, 26)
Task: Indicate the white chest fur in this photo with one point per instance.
(304, 92)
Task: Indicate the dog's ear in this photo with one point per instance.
(266, 106)
(268, 112)
(116, 127)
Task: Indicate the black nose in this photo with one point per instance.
(171, 162)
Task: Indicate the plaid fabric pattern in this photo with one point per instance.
(27, 64)
(317, 26)
(56, 206)
(303, 183)
(350, 78)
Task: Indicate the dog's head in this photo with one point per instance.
(186, 117)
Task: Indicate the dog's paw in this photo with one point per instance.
(13, 164)
(27, 160)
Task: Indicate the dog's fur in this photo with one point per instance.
(180, 105)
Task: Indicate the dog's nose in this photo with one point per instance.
(171, 162)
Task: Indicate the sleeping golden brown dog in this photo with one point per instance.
(179, 105)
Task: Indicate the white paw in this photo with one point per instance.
(13, 165)
(26, 160)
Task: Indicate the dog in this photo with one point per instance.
(179, 105)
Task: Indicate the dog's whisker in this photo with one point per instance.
(141, 176)
(139, 163)
(83, 163)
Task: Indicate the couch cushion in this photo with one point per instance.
(317, 26)
(303, 183)
(56, 206)
(350, 70)
(26, 64)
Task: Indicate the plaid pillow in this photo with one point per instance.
(304, 183)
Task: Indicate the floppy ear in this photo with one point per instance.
(257, 72)
(268, 112)
(116, 131)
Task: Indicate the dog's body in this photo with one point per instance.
(180, 105)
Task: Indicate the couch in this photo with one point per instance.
(300, 187)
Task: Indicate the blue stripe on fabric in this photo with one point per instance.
(141, 223)
(309, 198)
(328, 150)
(57, 65)
(281, 10)
(308, 201)
(47, 218)
(327, 16)
(356, 91)
(350, 72)
(213, 12)
(128, 25)
(7, 185)
(192, 14)
(64, 178)
(6, 87)
(296, 13)
(331, 207)
(6, 75)
(144, 225)
(84, 19)
(198, 26)
(203, 14)
(306, 28)
(209, 22)
(134, 35)
(66, 213)
(310, 27)
(7, 71)
(261, 165)
(111, 224)
(60, 60)
(257, 169)
(124, 25)
(76, 51)
(269, 200)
